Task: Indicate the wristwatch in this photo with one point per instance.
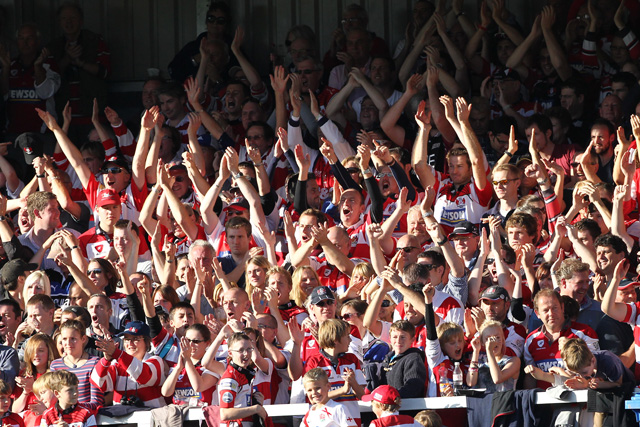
(366, 171)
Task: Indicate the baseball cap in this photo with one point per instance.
(507, 74)
(321, 293)
(495, 293)
(384, 394)
(136, 328)
(233, 71)
(14, 269)
(625, 283)
(108, 197)
(31, 146)
(464, 227)
(120, 161)
(239, 203)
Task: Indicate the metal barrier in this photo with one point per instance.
(143, 418)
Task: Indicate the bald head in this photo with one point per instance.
(340, 238)
(235, 302)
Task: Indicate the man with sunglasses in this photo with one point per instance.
(505, 179)
(129, 184)
(186, 62)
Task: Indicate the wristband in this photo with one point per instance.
(199, 111)
(41, 175)
(443, 241)
(393, 162)
(366, 171)
(542, 181)
(427, 214)
(459, 14)
(237, 176)
(482, 27)
(258, 165)
(74, 247)
(508, 153)
(169, 260)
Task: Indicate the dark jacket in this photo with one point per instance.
(405, 372)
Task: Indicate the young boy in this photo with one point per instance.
(234, 388)
(444, 346)
(343, 369)
(385, 403)
(403, 367)
(324, 412)
(8, 417)
(64, 385)
(42, 392)
(585, 369)
(429, 418)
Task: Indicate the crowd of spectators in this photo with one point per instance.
(459, 211)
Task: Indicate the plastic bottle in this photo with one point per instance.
(443, 382)
(457, 377)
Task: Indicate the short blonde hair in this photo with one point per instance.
(331, 331)
(576, 354)
(40, 277)
(315, 374)
(429, 418)
(44, 382)
(449, 331)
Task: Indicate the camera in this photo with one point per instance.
(132, 401)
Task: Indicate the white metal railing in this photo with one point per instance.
(143, 418)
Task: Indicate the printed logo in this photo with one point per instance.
(227, 397)
(540, 343)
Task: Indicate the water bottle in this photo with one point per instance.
(457, 377)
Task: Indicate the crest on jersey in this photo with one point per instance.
(227, 397)
(540, 343)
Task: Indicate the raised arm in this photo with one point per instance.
(559, 58)
(389, 122)
(68, 148)
(470, 141)
(420, 150)
(147, 123)
(249, 70)
(613, 309)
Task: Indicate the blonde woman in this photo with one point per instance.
(36, 283)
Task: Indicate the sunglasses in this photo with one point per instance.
(429, 267)
(220, 20)
(383, 174)
(353, 170)
(305, 72)
(503, 182)
(254, 137)
(407, 249)
(113, 170)
(94, 271)
(324, 303)
(194, 341)
(348, 316)
(180, 178)
(261, 326)
(386, 303)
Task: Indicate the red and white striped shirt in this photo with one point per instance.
(127, 376)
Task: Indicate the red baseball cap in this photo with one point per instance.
(384, 394)
(108, 197)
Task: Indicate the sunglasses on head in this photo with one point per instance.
(324, 303)
(383, 174)
(221, 20)
(114, 170)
